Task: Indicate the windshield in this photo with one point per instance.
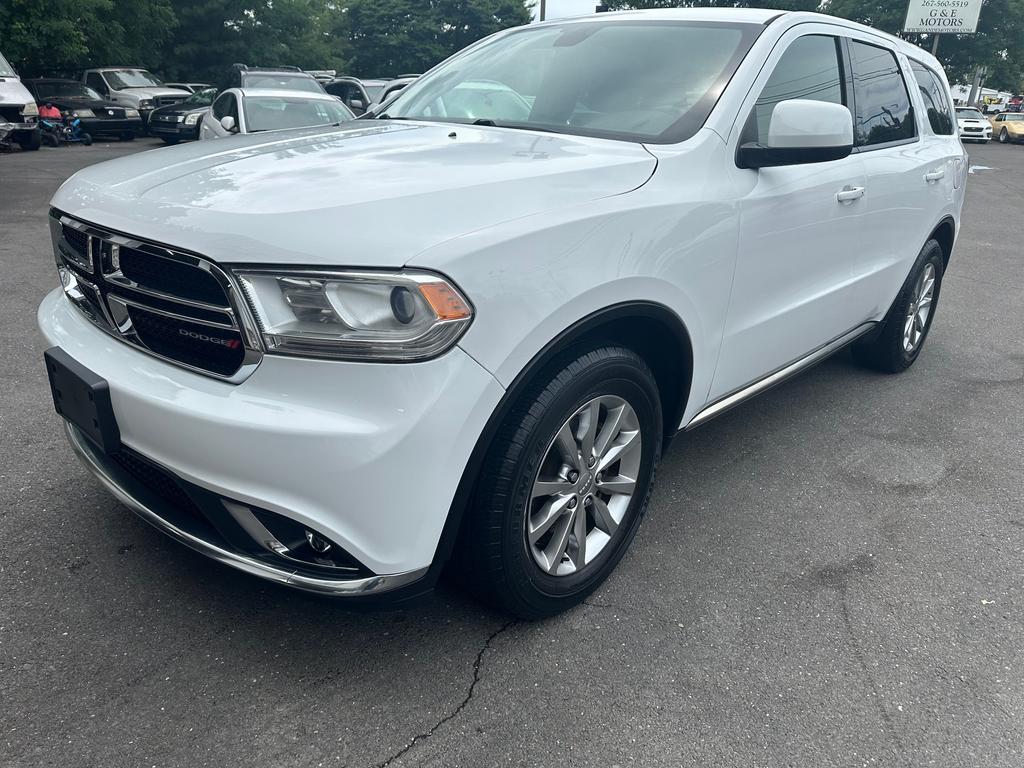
(6, 70)
(633, 80)
(282, 82)
(68, 90)
(969, 114)
(273, 113)
(130, 78)
(203, 98)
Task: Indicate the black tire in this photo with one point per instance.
(87, 139)
(1004, 137)
(32, 142)
(169, 142)
(127, 137)
(493, 552)
(884, 350)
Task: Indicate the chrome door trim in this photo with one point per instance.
(723, 404)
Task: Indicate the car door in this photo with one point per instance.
(908, 168)
(799, 226)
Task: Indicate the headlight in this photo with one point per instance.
(193, 118)
(131, 113)
(85, 113)
(30, 109)
(385, 316)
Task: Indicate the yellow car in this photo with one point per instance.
(1008, 126)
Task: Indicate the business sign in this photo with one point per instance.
(938, 16)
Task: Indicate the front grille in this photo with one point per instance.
(156, 480)
(11, 113)
(175, 305)
(172, 277)
(199, 346)
(163, 101)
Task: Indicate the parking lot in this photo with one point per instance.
(828, 575)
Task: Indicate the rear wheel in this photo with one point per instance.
(565, 483)
(896, 346)
(1004, 136)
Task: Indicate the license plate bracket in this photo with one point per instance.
(83, 399)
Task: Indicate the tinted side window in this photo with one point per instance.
(809, 69)
(883, 110)
(220, 106)
(936, 102)
(94, 81)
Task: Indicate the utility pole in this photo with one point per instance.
(972, 100)
(543, 9)
(935, 43)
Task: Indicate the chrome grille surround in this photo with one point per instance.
(94, 282)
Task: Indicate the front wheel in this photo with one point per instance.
(87, 139)
(1004, 136)
(564, 484)
(899, 341)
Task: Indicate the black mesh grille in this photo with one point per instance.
(213, 349)
(173, 277)
(156, 480)
(75, 239)
(12, 113)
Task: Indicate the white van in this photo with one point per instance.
(19, 115)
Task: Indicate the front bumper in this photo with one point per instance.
(368, 454)
(101, 126)
(178, 131)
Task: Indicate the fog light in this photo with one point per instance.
(317, 542)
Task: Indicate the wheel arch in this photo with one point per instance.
(945, 235)
(647, 328)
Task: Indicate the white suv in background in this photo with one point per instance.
(464, 330)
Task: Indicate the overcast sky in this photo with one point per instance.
(558, 9)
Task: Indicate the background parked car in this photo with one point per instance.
(393, 87)
(1008, 126)
(972, 125)
(133, 88)
(190, 87)
(351, 92)
(239, 110)
(18, 111)
(99, 116)
(276, 78)
(180, 122)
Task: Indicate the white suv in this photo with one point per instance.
(464, 330)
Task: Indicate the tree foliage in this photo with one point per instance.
(200, 39)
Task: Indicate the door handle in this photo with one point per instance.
(934, 175)
(848, 194)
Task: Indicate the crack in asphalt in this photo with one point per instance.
(462, 705)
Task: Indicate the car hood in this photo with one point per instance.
(71, 102)
(13, 92)
(972, 121)
(149, 93)
(367, 193)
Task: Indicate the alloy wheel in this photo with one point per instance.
(920, 308)
(584, 485)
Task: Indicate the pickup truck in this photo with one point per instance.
(133, 87)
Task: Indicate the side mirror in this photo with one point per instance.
(801, 131)
(228, 124)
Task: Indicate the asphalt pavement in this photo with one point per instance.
(830, 575)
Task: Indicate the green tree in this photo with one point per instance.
(390, 37)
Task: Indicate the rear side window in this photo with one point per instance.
(882, 103)
(809, 69)
(936, 102)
